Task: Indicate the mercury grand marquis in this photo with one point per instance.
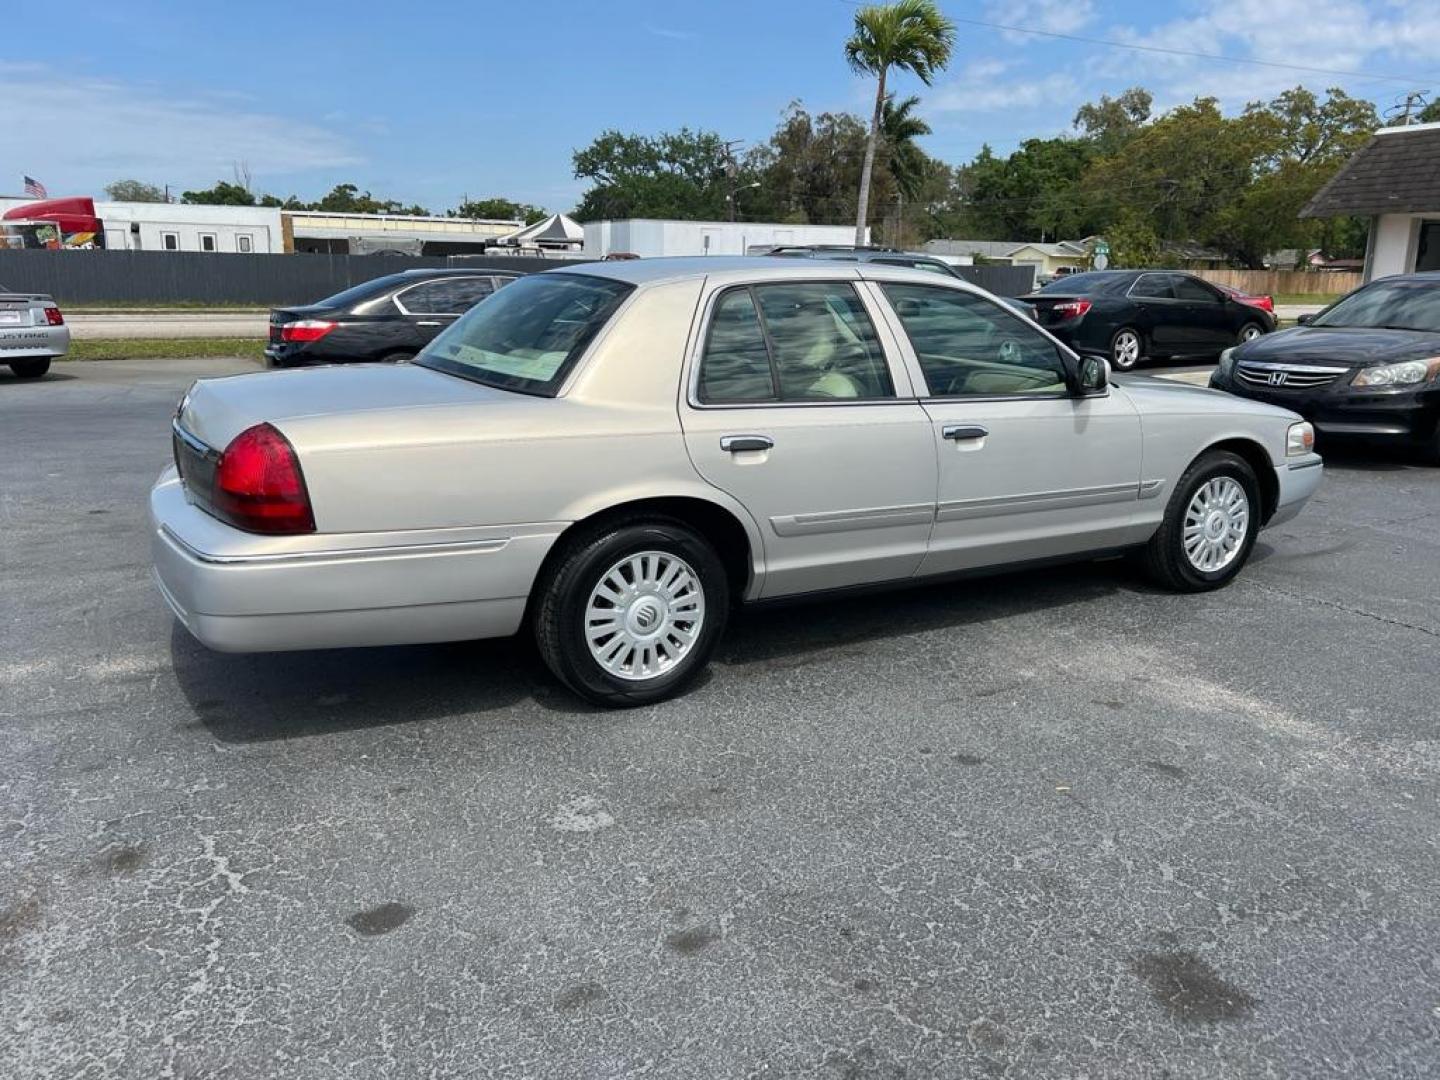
(612, 455)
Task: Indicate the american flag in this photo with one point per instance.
(36, 188)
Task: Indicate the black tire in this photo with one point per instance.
(30, 369)
(561, 600)
(1241, 335)
(1122, 358)
(1164, 558)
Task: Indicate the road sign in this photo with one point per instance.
(1101, 260)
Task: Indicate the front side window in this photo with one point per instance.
(783, 342)
(1187, 288)
(530, 334)
(968, 345)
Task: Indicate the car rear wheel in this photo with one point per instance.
(1126, 349)
(1249, 332)
(631, 612)
(30, 369)
(1209, 526)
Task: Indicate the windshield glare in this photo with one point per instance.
(527, 336)
(1401, 305)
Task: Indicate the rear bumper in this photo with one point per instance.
(237, 592)
(33, 342)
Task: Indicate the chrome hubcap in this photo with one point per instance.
(1127, 349)
(1215, 524)
(1250, 333)
(645, 615)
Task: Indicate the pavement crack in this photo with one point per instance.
(1336, 605)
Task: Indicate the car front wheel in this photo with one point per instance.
(1209, 526)
(1249, 332)
(30, 369)
(1126, 349)
(631, 612)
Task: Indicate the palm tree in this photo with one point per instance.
(911, 35)
(900, 127)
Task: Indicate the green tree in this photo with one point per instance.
(135, 191)
(499, 209)
(908, 35)
(809, 171)
(1112, 122)
(900, 127)
(223, 193)
(349, 199)
(678, 174)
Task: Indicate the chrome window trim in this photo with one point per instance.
(445, 277)
(1130, 292)
(900, 381)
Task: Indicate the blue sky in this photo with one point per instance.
(429, 101)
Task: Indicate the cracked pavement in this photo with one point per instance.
(1049, 824)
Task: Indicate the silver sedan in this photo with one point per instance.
(32, 333)
(613, 455)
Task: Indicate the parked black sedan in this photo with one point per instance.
(389, 318)
(1368, 365)
(1130, 315)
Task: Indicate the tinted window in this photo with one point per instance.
(530, 334)
(818, 342)
(368, 290)
(445, 296)
(1405, 305)
(1153, 287)
(969, 345)
(1187, 288)
(736, 366)
(1082, 283)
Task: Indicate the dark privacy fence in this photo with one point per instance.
(196, 277)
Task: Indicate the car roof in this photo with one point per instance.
(752, 268)
(446, 271)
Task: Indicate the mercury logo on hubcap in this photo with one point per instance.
(646, 616)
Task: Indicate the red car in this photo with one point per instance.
(1266, 303)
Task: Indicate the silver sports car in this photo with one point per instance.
(614, 454)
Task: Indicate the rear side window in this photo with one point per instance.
(529, 335)
(445, 296)
(1153, 287)
(810, 341)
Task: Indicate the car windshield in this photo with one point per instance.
(1081, 283)
(528, 335)
(1392, 305)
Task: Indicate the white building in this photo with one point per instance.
(1395, 182)
(138, 226)
(650, 237)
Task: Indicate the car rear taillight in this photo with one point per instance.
(259, 486)
(53, 316)
(306, 330)
(1071, 309)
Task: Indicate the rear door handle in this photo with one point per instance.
(429, 322)
(958, 432)
(734, 444)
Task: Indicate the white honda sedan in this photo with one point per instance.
(613, 455)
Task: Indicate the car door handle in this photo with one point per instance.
(957, 432)
(429, 322)
(735, 444)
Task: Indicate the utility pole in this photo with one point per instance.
(1414, 102)
(730, 169)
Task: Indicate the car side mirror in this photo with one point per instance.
(1093, 375)
(1305, 319)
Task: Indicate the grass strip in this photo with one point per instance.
(248, 348)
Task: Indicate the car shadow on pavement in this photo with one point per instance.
(8, 379)
(258, 697)
(263, 696)
(798, 634)
(1374, 456)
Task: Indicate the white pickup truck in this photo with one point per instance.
(32, 333)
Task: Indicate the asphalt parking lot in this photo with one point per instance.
(1051, 824)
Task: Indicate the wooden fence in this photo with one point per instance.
(1286, 282)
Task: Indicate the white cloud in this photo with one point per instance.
(1054, 16)
(992, 85)
(98, 130)
(667, 32)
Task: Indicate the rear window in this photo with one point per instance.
(1081, 283)
(368, 290)
(528, 335)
